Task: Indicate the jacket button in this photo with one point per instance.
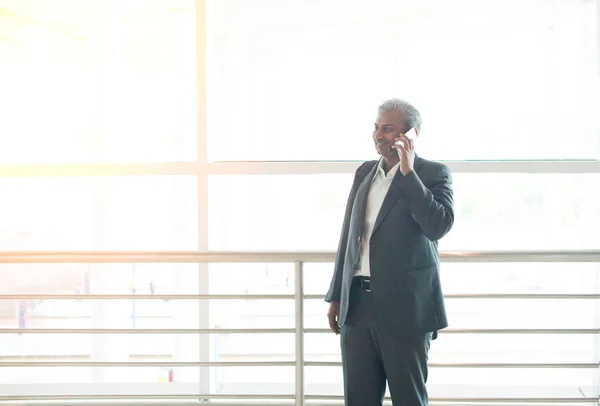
(358, 239)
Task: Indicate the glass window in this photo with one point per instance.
(99, 213)
(97, 84)
(493, 80)
(492, 212)
(524, 212)
(276, 212)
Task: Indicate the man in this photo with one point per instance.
(385, 297)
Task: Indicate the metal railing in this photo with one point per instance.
(298, 259)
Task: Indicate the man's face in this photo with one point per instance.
(387, 128)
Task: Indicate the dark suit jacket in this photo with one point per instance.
(404, 260)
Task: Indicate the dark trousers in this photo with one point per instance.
(370, 356)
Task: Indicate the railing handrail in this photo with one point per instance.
(278, 256)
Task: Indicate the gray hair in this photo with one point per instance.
(412, 117)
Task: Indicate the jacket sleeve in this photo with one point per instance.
(335, 287)
(432, 205)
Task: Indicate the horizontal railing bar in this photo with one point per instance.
(313, 402)
(479, 365)
(540, 296)
(521, 256)
(276, 257)
(285, 363)
(121, 396)
(480, 402)
(269, 331)
(569, 296)
(146, 331)
(141, 297)
(310, 402)
(148, 364)
(522, 331)
(489, 331)
(313, 399)
(201, 402)
(282, 167)
(280, 364)
(163, 257)
(464, 400)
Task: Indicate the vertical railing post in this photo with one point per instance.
(299, 302)
(205, 375)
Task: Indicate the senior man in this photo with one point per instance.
(385, 296)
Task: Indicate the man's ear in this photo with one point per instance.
(417, 132)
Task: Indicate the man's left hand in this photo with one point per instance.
(406, 153)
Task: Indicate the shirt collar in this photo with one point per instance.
(381, 171)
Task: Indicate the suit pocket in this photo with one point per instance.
(418, 280)
(420, 268)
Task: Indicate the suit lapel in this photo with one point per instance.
(392, 195)
(362, 197)
(388, 202)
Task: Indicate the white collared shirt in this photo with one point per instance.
(379, 188)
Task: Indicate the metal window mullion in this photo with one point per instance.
(282, 168)
(349, 167)
(204, 384)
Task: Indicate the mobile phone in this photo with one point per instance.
(411, 134)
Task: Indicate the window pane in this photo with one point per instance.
(525, 211)
(516, 278)
(281, 212)
(102, 82)
(493, 80)
(99, 213)
(492, 212)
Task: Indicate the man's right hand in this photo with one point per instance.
(334, 316)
